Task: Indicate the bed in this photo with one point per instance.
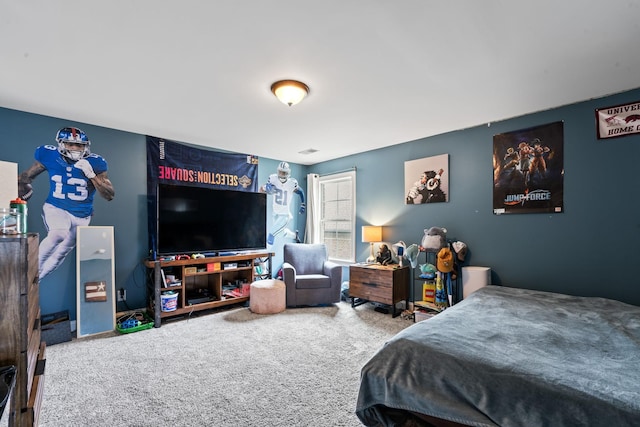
(509, 357)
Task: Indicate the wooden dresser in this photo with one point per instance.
(377, 283)
(20, 343)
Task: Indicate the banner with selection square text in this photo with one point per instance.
(170, 162)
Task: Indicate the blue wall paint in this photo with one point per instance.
(569, 252)
(588, 250)
(125, 153)
(126, 157)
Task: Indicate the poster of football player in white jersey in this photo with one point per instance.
(75, 174)
(283, 187)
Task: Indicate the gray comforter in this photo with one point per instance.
(511, 357)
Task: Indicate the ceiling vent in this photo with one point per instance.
(308, 151)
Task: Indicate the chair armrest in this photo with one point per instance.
(288, 273)
(334, 271)
(289, 279)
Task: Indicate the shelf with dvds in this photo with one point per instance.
(182, 286)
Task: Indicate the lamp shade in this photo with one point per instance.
(289, 92)
(371, 233)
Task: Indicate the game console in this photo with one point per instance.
(203, 295)
(199, 300)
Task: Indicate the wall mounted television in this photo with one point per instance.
(205, 220)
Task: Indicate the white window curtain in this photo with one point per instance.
(312, 233)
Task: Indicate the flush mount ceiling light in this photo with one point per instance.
(289, 92)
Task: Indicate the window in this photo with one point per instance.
(337, 212)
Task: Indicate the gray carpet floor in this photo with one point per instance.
(233, 367)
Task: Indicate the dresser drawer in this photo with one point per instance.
(31, 413)
(371, 291)
(372, 276)
(371, 284)
(33, 349)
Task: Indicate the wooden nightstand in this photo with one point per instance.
(387, 284)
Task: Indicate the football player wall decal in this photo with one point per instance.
(75, 174)
(282, 187)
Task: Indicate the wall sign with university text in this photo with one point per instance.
(619, 120)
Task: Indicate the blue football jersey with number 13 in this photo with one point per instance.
(69, 188)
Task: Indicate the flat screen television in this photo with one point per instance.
(204, 220)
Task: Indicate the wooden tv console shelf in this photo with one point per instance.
(203, 283)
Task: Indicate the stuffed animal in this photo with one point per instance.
(427, 271)
(434, 239)
(384, 255)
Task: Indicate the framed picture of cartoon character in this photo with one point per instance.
(426, 180)
(528, 170)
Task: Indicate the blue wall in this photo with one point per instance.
(125, 153)
(590, 249)
(126, 157)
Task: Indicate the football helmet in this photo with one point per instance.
(75, 136)
(284, 172)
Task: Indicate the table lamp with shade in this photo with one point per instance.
(371, 234)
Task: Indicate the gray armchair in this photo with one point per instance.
(310, 277)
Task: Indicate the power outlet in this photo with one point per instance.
(122, 294)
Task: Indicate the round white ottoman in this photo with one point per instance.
(268, 296)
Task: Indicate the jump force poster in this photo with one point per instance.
(528, 170)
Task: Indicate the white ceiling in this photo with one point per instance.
(380, 72)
